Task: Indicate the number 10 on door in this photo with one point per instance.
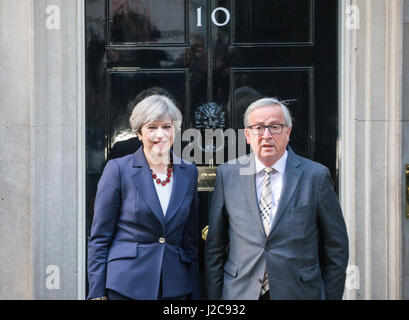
(214, 20)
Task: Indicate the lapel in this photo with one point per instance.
(181, 183)
(292, 177)
(248, 182)
(142, 178)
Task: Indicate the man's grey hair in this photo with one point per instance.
(268, 102)
(154, 108)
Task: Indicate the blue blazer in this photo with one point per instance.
(133, 245)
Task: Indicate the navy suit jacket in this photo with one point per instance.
(133, 245)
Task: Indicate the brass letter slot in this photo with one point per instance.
(407, 191)
(207, 178)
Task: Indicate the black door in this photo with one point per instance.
(228, 52)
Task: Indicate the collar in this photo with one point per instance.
(279, 166)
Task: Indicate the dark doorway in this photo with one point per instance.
(229, 52)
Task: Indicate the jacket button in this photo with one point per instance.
(162, 240)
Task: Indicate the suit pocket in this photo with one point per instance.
(123, 251)
(310, 273)
(183, 257)
(230, 268)
(298, 215)
(301, 210)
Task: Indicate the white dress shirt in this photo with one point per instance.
(164, 192)
(276, 184)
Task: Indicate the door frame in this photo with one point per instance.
(346, 135)
(81, 151)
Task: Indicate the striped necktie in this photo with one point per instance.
(266, 201)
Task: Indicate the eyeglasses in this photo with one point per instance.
(259, 129)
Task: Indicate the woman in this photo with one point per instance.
(144, 241)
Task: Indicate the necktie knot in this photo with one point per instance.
(269, 170)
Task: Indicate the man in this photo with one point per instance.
(276, 229)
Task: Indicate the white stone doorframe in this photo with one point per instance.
(81, 288)
(370, 144)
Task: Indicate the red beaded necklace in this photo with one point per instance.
(167, 180)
